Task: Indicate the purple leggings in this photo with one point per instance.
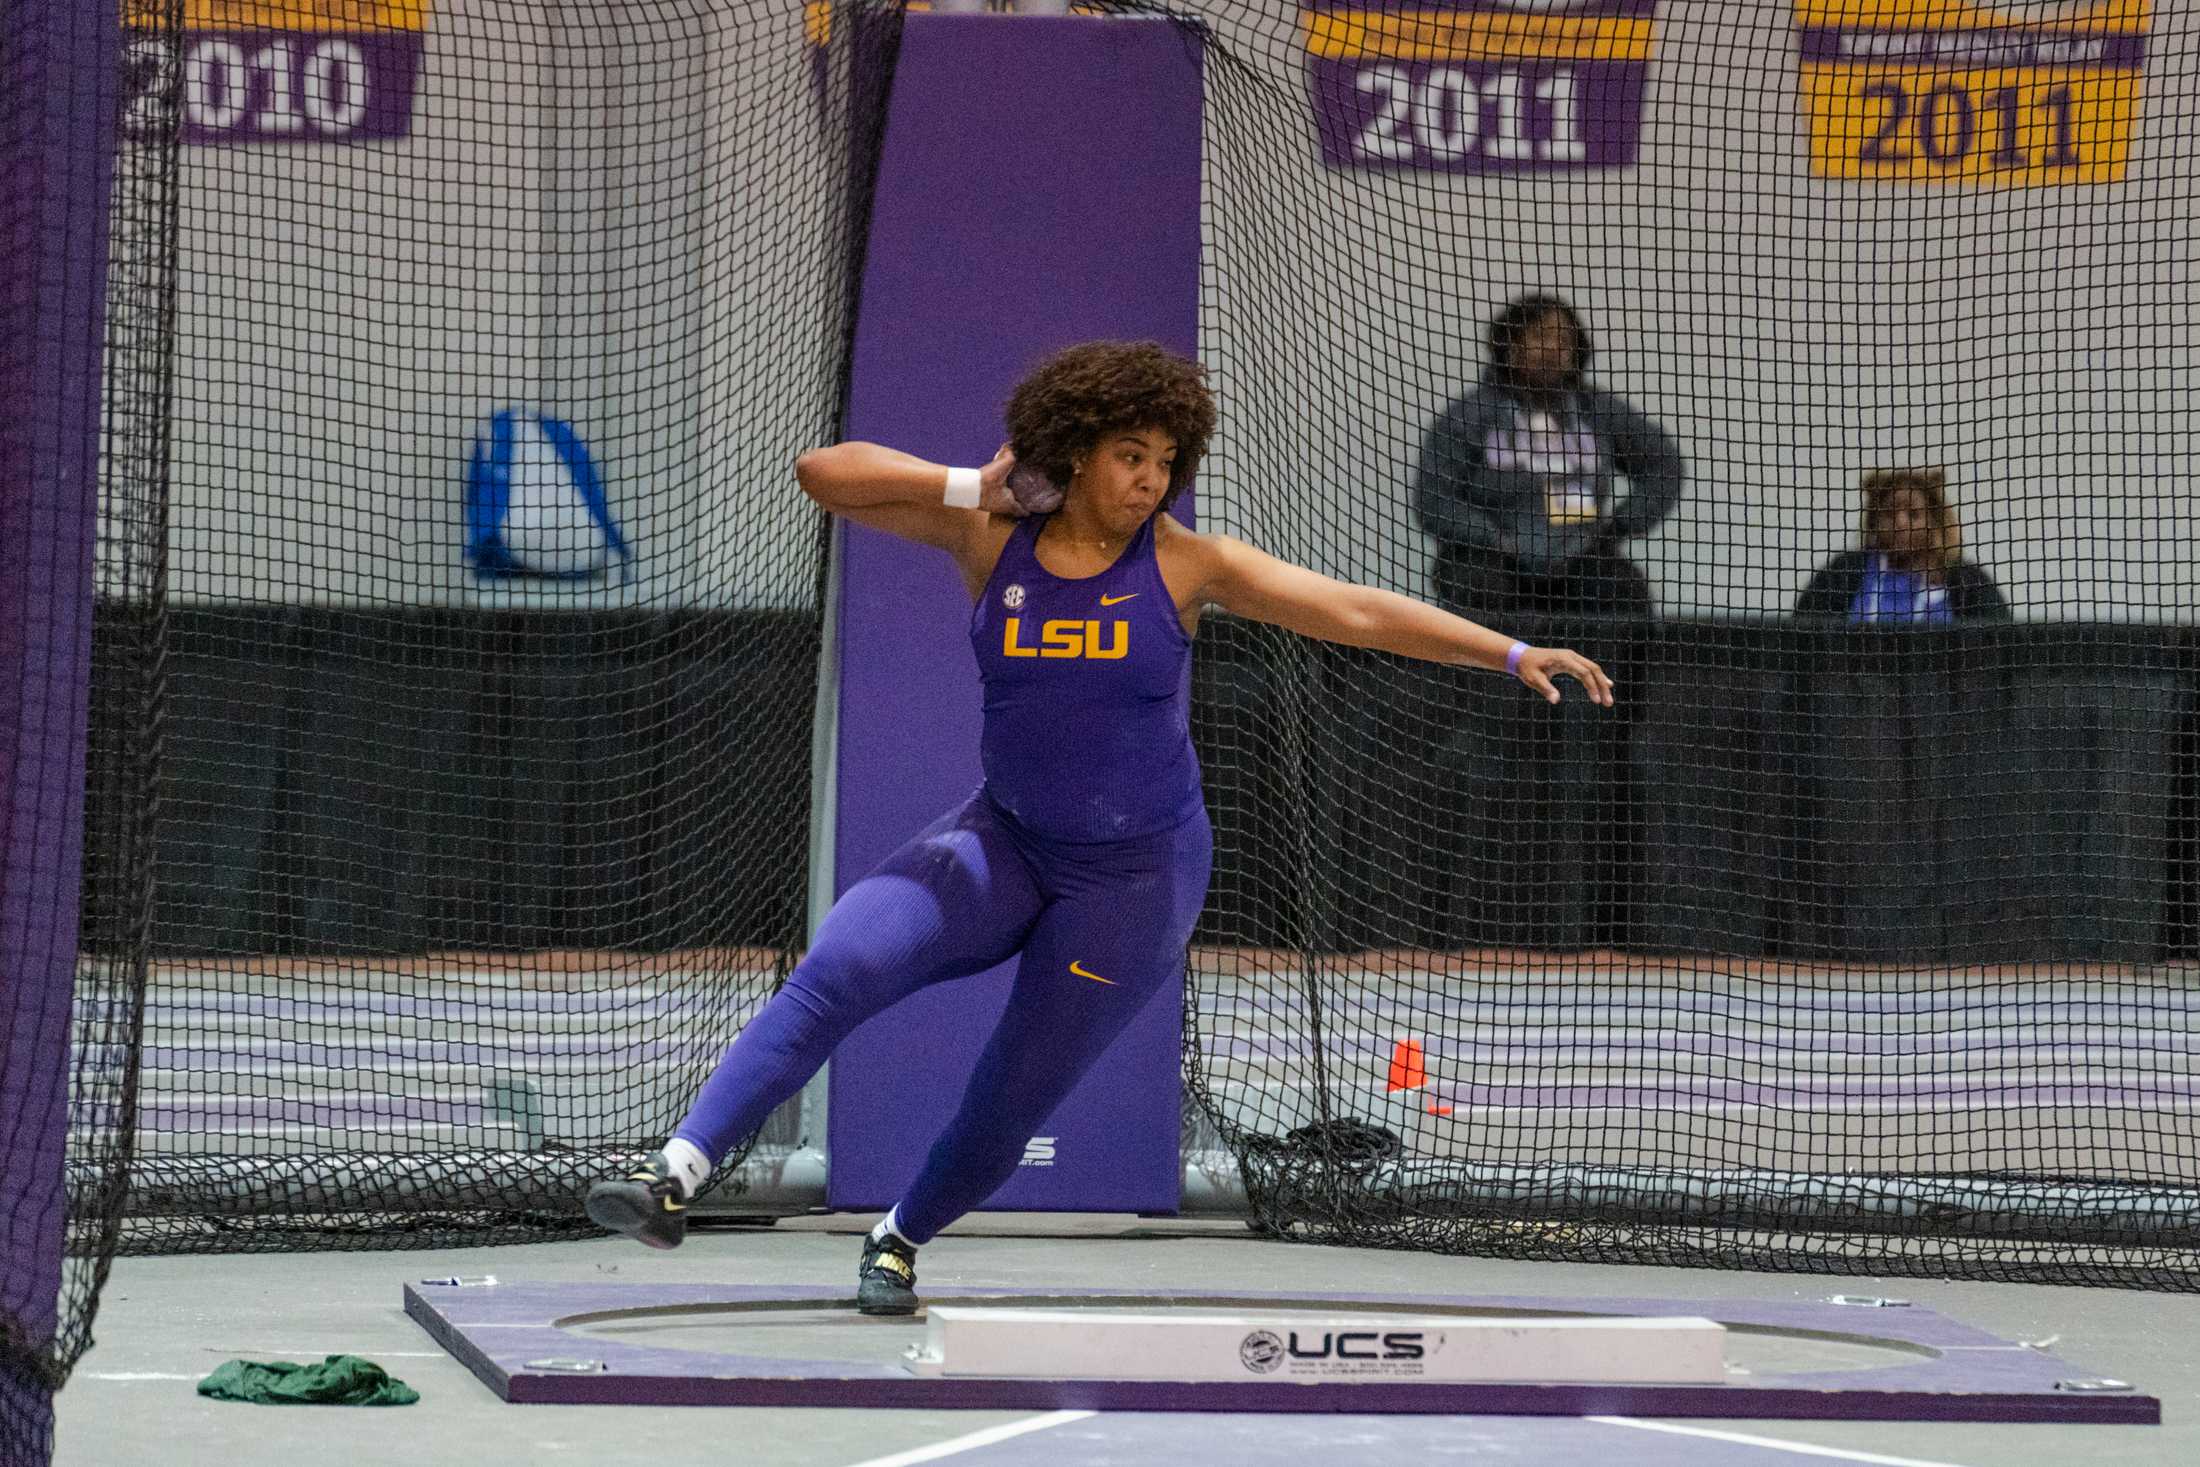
(968, 893)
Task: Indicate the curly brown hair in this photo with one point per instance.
(1929, 484)
(1079, 396)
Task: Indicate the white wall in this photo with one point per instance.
(1791, 332)
(612, 211)
(607, 212)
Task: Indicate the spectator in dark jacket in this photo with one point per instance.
(1911, 570)
(1520, 483)
(1517, 478)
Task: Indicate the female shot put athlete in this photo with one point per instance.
(1085, 852)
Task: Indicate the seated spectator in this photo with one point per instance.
(1516, 482)
(1911, 570)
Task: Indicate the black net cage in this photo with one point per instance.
(1813, 369)
(1822, 371)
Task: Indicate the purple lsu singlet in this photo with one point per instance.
(1087, 724)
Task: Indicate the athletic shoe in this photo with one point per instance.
(886, 1279)
(646, 1206)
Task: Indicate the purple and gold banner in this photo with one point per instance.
(1941, 91)
(1479, 86)
(300, 71)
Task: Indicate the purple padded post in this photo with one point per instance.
(1039, 187)
(58, 72)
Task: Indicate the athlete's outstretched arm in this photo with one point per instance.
(900, 493)
(1256, 585)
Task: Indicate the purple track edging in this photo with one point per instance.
(1972, 1376)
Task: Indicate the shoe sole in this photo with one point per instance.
(614, 1208)
(886, 1309)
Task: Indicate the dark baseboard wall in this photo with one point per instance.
(359, 782)
(341, 781)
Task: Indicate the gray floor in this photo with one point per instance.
(166, 1322)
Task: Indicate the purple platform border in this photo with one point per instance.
(1972, 1375)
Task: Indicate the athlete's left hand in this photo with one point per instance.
(1538, 665)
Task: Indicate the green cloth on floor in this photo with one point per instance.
(340, 1380)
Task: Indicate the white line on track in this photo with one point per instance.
(977, 1439)
(1801, 1448)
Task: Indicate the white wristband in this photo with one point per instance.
(963, 488)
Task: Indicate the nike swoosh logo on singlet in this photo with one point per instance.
(1112, 600)
(1079, 970)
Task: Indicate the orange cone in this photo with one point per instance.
(1408, 1066)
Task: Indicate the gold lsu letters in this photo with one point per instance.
(1068, 637)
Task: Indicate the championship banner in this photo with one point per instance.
(295, 71)
(1478, 86)
(1939, 91)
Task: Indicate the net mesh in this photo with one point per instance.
(476, 703)
(1849, 941)
(459, 632)
(64, 81)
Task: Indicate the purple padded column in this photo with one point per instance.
(58, 65)
(1039, 186)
